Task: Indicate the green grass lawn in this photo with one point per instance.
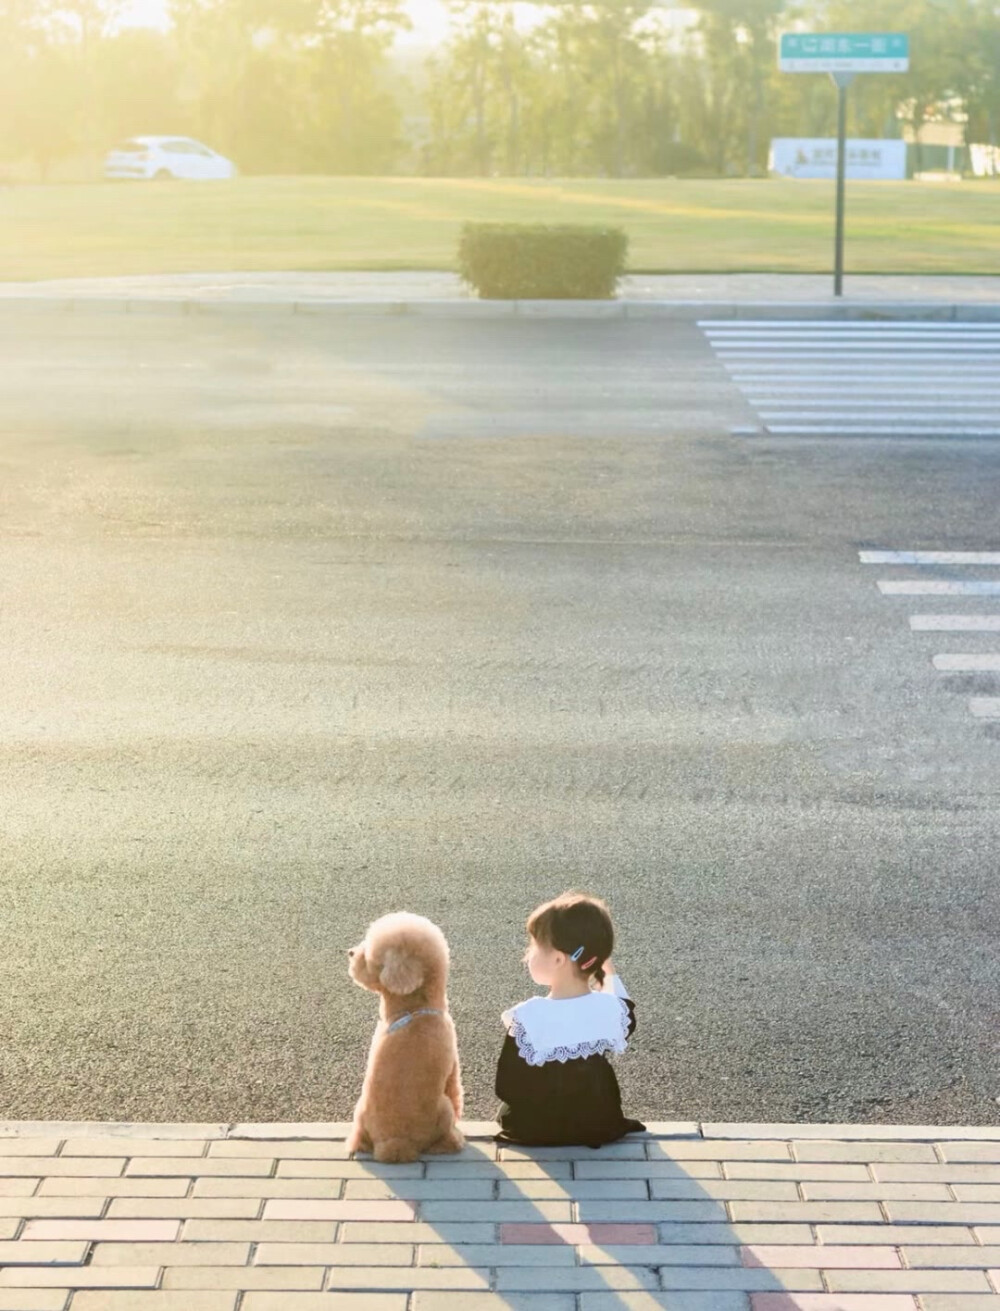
(314, 223)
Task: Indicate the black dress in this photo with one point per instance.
(554, 1078)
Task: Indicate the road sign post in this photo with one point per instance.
(843, 81)
(842, 55)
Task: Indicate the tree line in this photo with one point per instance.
(611, 88)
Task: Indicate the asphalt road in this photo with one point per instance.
(309, 619)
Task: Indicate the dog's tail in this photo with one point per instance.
(396, 1151)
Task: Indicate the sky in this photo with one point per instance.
(429, 18)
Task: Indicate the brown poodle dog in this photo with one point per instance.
(412, 1094)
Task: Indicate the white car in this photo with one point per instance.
(145, 158)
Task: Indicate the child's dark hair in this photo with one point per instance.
(576, 920)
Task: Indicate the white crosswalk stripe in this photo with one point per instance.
(936, 577)
(886, 379)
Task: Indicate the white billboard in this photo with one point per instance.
(807, 157)
(985, 161)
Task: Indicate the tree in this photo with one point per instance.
(740, 51)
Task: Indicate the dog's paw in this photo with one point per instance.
(358, 1141)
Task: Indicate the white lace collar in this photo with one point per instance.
(549, 1030)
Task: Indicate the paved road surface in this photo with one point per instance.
(308, 619)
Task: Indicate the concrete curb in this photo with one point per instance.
(479, 1129)
(682, 311)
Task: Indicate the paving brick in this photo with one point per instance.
(574, 1279)
(737, 1233)
(977, 1192)
(290, 1208)
(391, 1278)
(254, 1301)
(116, 1145)
(18, 1130)
(150, 1231)
(907, 1281)
(831, 1192)
(818, 1150)
(815, 1170)
(847, 1132)
(170, 1254)
(425, 1190)
(713, 1301)
(661, 1254)
(551, 1234)
(961, 1213)
(33, 1299)
(308, 1169)
(18, 1187)
(895, 1234)
(183, 1208)
(500, 1212)
(919, 1258)
(540, 1190)
(306, 1278)
(196, 1165)
(746, 1190)
(331, 1189)
(654, 1212)
(314, 1149)
(807, 1212)
(28, 1208)
(375, 1254)
(158, 1301)
(489, 1151)
(329, 1174)
(48, 1166)
(259, 1231)
(504, 1169)
(984, 1234)
(647, 1169)
(959, 1302)
(358, 1231)
(988, 1153)
(962, 1174)
(623, 1151)
(485, 1130)
(326, 1130)
(9, 1228)
(822, 1257)
(741, 1279)
(87, 1276)
(832, 1302)
(104, 1187)
(698, 1150)
(439, 1255)
(72, 1253)
(441, 1301)
(30, 1146)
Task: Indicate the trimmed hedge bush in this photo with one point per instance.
(527, 261)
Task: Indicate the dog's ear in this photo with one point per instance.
(401, 972)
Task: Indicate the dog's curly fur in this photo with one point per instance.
(411, 1098)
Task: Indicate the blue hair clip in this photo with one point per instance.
(577, 954)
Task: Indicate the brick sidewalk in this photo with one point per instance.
(711, 1217)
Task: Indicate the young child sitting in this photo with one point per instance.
(553, 1076)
